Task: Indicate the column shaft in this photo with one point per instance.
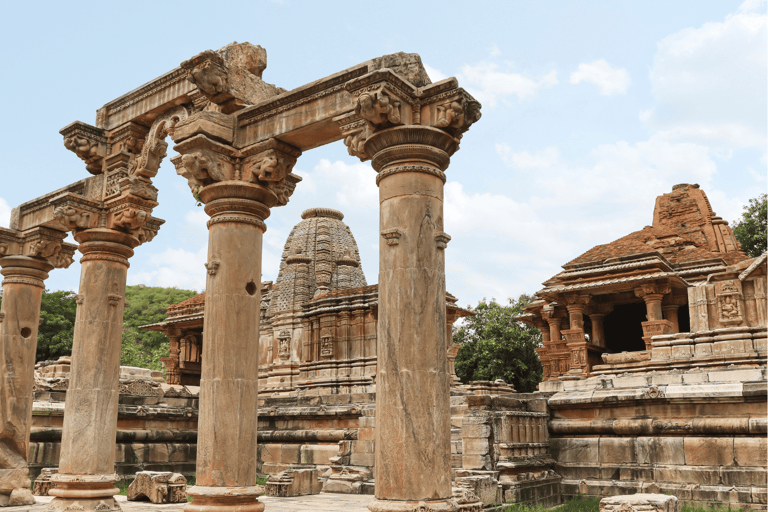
(413, 453)
(22, 292)
(87, 463)
(226, 442)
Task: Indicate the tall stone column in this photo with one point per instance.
(238, 188)
(86, 474)
(226, 446)
(25, 260)
(413, 453)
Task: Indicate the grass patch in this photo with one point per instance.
(123, 486)
(581, 504)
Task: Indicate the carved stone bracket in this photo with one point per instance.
(204, 161)
(40, 243)
(653, 288)
(392, 236)
(231, 76)
(212, 267)
(442, 239)
(269, 164)
(88, 143)
(155, 147)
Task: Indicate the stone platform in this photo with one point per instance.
(316, 503)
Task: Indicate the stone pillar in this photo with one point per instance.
(86, 474)
(19, 317)
(413, 453)
(653, 293)
(238, 187)
(226, 446)
(670, 313)
(598, 331)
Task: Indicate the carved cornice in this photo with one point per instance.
(168, 80)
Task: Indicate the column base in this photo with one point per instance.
(378, 505)
(83, 493)
(222, 499)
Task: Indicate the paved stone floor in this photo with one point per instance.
(315, 503)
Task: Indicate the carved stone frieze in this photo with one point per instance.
(729, 305)
(138, 186)
(88, 143)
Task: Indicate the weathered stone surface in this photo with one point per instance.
(294, 482)
(640, 503)
(158, 487)
(43, 482)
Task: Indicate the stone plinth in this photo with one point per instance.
(158, 487)
(294, 482)
(640, 503)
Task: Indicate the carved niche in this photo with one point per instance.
(729, 305)
(284, 344)
(326, 343)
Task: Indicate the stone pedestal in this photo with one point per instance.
(413, 453)
(87, 465)
(22, 290)
(226, 445)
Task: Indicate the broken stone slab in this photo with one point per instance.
(158, 487)
(640, 503)
(484, 487)
(17, 498)
(294, 482)
(43, 482)
(347, 479)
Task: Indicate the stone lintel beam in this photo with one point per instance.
(40, 211)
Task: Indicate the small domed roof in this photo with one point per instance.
(320, 256)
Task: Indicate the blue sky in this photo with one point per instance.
(590, 110)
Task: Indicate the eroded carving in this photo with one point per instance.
(392, 236)
(155, 148)
(129, 220)
(203, 166)
(212, 267)
(378, 108)
(72, 218)
(43, 248)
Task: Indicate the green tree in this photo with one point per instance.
(751, 229)
(147, 305)
(495, 346)
(57, 325)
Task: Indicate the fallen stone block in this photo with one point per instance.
(294, 482)
(640, 503)
(158, 487)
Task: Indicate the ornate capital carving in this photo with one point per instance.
(653, 288)
(88, 143)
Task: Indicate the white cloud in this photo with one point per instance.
(541, 159)
(356, 183)
(5, 213)
(434, 74)
(174, 267)
(608, 79)
(494, 50)
(710, 82)
(488, 84)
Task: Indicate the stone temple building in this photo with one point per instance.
(318, 319)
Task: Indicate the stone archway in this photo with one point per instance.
(238, 139)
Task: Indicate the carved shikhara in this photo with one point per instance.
(392, 236)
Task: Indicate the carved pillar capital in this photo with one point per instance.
(88, 143)
(39, 244)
